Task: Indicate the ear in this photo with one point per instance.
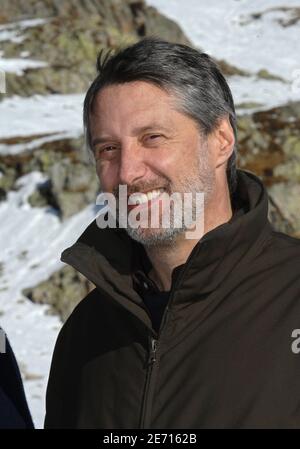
(224, 141)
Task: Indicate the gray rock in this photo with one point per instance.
(269, 145)
(74, 186)
(72, 36)
(62, 291)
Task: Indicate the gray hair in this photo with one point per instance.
(192, 76)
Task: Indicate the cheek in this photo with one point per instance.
(163, 160)
(108, 176)
(182, 163)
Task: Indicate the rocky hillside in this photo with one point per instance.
(269, 145)
(70, 37)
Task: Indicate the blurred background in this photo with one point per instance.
(48, 186)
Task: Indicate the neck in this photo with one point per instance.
(165, 258)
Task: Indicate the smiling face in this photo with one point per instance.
(142, 141)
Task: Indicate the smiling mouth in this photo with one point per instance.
(143, 198)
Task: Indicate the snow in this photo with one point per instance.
(31, 242)
(18, 65)
(36, 142)
(61, 114)
(226, 31)
(23, 24)
(10, 35)
(32, 239)
(11, 31)
(14, 32)
(270, 93)
(24, 54)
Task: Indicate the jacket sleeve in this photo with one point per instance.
(60, 395)
(64, 385)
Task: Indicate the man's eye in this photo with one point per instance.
(108, 148)
(153, 138)
(105, 152)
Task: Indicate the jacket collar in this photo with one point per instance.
(118, 265)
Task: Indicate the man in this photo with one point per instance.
(179, 332)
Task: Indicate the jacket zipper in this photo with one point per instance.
(146, 405)
(153, 358)
(153, 365)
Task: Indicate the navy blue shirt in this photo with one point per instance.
(156, 303)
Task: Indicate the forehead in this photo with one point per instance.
(133, 102)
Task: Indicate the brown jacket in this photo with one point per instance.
(226, 352)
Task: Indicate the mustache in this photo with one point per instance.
(142, 187)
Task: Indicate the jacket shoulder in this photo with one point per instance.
(282, 252)
(284, 240)
(91, 301)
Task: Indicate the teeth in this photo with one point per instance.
(137, 198)
(141, 198)
(153, 194)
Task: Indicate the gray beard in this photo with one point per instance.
(203, 180)
(151, 238)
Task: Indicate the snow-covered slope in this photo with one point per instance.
(60, 115)
(14, 32)
(31, 239)
(227, 30)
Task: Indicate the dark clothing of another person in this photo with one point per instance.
(14, 412)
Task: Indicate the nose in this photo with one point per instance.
(132, 166)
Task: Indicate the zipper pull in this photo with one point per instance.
(153, 349)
